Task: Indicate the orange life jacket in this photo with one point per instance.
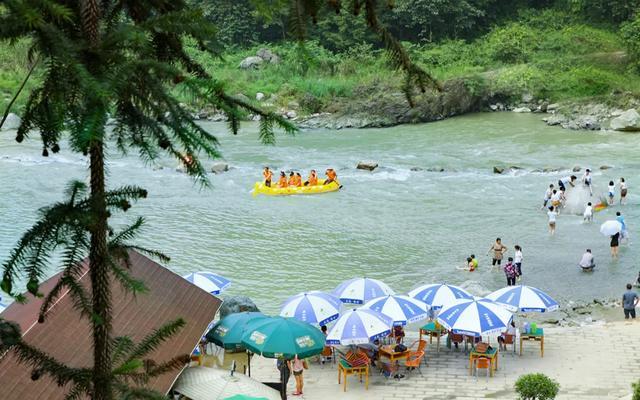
(292, 181)
(313, 179)
(267, 175)
(282, 182)
(331, 174)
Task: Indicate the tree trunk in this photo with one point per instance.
(100, 284)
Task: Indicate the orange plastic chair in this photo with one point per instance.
(422, 345)
(509, 339)
(414, 361)
(482, 363)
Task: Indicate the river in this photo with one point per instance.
(401, 226)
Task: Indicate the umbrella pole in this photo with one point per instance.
(249, 362)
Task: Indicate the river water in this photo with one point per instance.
(401, 226)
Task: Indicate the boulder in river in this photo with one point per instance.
(522, 110)
(576, 169)
(219, 167)
(498, 170)
(251, 62)
(627, 121)
(367, 165)
(603, 167)
(236, 304)
(12, 122)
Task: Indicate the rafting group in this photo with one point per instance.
(293, 184)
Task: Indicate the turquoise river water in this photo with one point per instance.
(401, 226)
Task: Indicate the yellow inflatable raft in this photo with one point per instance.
(260, 188)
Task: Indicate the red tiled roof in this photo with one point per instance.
(67, 337)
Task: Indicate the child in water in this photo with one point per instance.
(586, 180)
(552, 214)
(612, 192)
(588, 213)
(468, 265)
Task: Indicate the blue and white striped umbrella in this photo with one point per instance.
(361, 290)
(313, 307)
(401, 309)
(439, 294)
(524, 299)
(208, 281)
(475, 317)
(359, 326)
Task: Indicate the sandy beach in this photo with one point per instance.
(591, 362)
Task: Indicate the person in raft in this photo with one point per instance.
(282, 182)
(268, 175)
(331, 176)
(498, 251)
(562, 183)
(292, 179)
(313, 179)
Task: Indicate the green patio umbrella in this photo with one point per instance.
(227, 333)
(243, 397)
(280, 337)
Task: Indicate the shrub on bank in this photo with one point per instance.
(636, 390)
(536, 387)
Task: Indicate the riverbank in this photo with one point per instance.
(572, 357)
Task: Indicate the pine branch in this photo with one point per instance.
(153, 340)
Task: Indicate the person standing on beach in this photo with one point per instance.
(553, 215)
(498, 251)
(630, 300)
(298, 366)
(518, 261)
(623, 192)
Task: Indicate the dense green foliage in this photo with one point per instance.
(636, 390)
(631, 35)
(536, 387)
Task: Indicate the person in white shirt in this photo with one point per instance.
(562, 183)
(556, 199)
(623, 191)
(588, 213)
(612, 192)
(586, 180)
(547, 196)
(552, 220)
(517, 261)
(587, 262)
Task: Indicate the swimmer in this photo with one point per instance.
(588, 213)
(475, 261)
(468, 265)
